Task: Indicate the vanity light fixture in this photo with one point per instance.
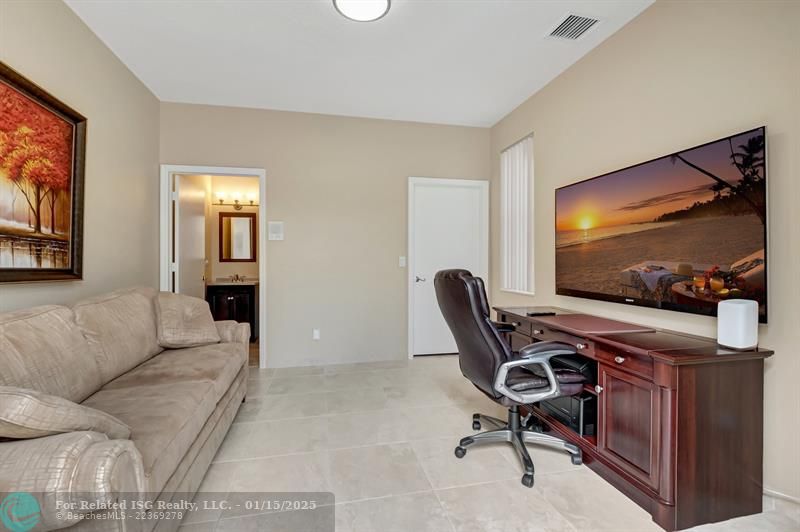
(237, 200)
(362, 10)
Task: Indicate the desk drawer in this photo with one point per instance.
(584, 347)
(636, 364)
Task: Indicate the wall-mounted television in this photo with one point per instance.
(681, 232)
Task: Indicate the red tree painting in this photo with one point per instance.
(39, 141)
(35, 154)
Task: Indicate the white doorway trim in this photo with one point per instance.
(165, 235)
(413, 182)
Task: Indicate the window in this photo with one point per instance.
(516, 213)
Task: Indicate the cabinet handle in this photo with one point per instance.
(581, 346)
(619, 360)
(516, 323)
(598, 388)
(538, 331)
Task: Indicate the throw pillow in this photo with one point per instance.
(30, 414)
(184, 321)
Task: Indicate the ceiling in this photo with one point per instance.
(465, 62)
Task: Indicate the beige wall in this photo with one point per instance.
(681, 74)
(340, 186)
(50, 45)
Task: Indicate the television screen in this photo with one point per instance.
(681, 232)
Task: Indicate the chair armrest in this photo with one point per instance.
(554, 348)
(537, 354)
(233, 332)
(69, 468)
(503, 327)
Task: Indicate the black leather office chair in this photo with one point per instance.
(506, 378)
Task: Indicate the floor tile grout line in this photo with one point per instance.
(473, 484)
(382, 497)
(572, 526)
(432, 487)
(387, 409)
(374, 444)
(438, 499)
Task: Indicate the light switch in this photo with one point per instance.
(315, 334)
(402, 262)
(275, 230)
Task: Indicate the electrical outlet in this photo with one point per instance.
(402, 262)
(315, 334)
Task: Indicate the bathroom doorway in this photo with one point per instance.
(213, 243)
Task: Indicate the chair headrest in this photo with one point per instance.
(453, 275)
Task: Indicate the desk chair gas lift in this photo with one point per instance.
(507, 378)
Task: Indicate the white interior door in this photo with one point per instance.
(190, 234)
(448, 228)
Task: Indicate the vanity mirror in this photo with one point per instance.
(237, 237)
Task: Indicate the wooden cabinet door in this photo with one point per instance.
(221, 302)
(629, 424)
(241, 307)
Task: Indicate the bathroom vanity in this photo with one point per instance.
(235, 300)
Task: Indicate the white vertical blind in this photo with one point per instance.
(516, 206)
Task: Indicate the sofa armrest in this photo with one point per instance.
(233, 332)
(64, 469)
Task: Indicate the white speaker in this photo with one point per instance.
(737, 324)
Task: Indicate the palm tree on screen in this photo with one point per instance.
(749, 161)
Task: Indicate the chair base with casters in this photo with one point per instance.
(513, 432)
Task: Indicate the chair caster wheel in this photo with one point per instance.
(460, 452)
(476, 425)
(577, 459)
(527, 480)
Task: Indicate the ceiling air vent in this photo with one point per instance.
(573, 27)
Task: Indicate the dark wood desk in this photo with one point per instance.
(679, 419)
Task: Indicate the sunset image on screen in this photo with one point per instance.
(647, 232)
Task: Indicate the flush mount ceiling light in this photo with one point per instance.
(362, 10)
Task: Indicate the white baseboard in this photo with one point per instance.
(782, 496)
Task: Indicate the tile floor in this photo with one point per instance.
(380, 436)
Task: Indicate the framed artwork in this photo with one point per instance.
(42, 151)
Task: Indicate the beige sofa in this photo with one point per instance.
(104, 353)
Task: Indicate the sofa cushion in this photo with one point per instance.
(30, 414)
(217, 363)
(121, 328)
(165, 419)
(184, 321)
(43, 349)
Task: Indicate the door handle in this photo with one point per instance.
(419, 279)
